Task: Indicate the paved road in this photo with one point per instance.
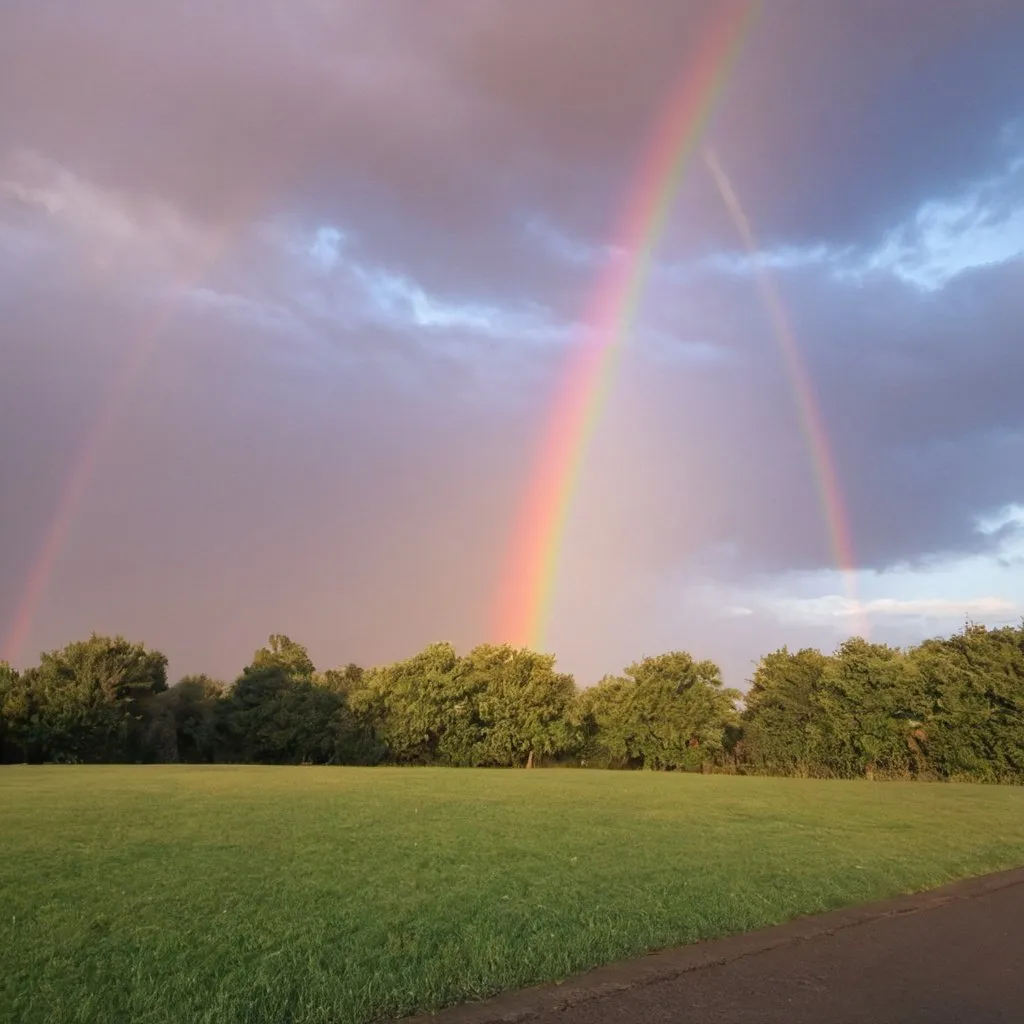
(953, 955)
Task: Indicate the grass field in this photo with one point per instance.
(254, 894)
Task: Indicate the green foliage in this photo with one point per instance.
(344, 680)
(285, 654)
(88, 702)
(871, 705)
(947, 709)
(607, 729)
(420, 710)
(525, 707)
(16, 715)
(280, 711)
(782, 721)
(270, 717)
(974, 686)
(666, 712)
(850, 714)
(191, 711)
(496, 706)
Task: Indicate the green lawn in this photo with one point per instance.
(256, 894)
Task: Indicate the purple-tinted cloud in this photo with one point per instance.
(349, 247)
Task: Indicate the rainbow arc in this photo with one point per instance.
(529, 578)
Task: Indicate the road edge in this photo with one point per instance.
(663, 965)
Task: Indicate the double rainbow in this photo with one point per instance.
(527, 588)
(529, 579)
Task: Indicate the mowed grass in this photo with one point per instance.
(259, 894)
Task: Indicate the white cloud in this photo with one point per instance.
(279, 274)
(830, 607)
(980, 227)
(326, 247)
(787, 257)
(920, 600)
(1008, 518)
(115, 237)
(663, 347)
(739, 611)
(937, 607)
(399, 298)
(570, 250)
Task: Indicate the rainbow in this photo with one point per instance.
(71, 495)
(527, 588)
(79, 476)
(244, 209)
(829, 492)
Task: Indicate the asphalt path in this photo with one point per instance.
(954, 954)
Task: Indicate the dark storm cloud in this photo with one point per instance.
(920, 406)
(879, 104)
(918, 389)
(435, 131)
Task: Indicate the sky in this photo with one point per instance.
(288, 289)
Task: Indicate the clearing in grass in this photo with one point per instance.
(261, 894)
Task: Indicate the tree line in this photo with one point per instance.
(948, 708)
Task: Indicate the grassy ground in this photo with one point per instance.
(245, 894)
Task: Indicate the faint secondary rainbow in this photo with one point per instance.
(823, 465)
(77, 481)
(528, 584)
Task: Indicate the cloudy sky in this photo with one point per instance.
(288, 288)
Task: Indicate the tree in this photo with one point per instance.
(782, 721)
(871, 704)
(90, 699)
(495, 706)
(679, 710)
(948, 708)
(285, 654)
(278, 711)
(973, 686)
(271, 717)
(17, 717)
(526, 709)
(422, 710)
(665, 712)
(860, 711)
(344, 680)
(192, 706)
(604, 710)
